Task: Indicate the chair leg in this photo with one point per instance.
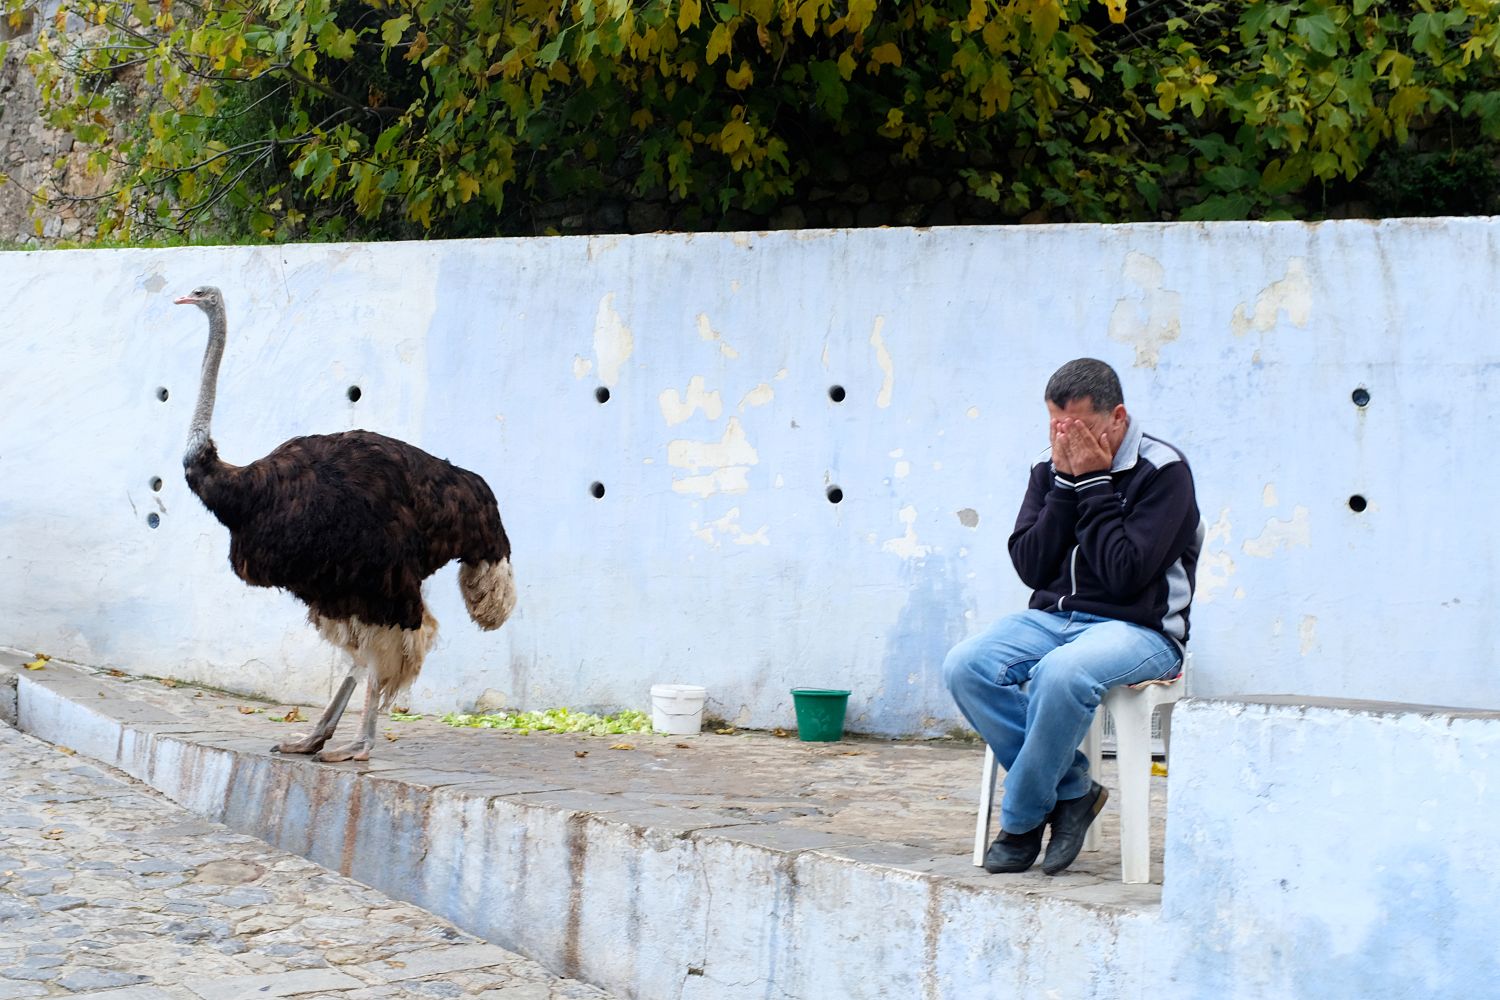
(986, 806)
(1093, 750)
(1165, 712)
(1133, 757)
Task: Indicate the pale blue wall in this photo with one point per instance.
(1240, 343)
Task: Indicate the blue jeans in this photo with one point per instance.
(1070, 660)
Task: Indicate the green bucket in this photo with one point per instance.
(820, 714)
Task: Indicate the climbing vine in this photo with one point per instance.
(284, 118)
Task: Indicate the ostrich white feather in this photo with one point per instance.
(489, 590)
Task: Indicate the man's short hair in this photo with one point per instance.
(1085, 378)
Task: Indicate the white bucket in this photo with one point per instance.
(677, 708)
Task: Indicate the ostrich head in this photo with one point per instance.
(205, 297)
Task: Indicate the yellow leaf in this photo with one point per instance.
(468, 187)
(734, 135)
(718, 42)
(642, 118)
(885, 54)
(392, 737)
(248, 710)
(978, 14)
(39, 663)
(741, 78)
(55, 834)
(295, 715)
(687, 14)
(1158, 769)
(1079, 88)
(1116, 10)
(846, 64)
(69, 751)
(621, 746)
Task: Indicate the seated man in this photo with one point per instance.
(1108, 538)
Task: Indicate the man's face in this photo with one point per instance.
(1111, 423)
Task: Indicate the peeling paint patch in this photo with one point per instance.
(781, 373)
(708, 333)
(728, 461)
(729, 527)
(613, 341)
(883, 359)
(1294, 532)
(676, 409)
(1268, 496)
(972, 413)
(1292, 295)
(1307, 634)
(1239, 593)
(759, 396)
(906, 546)
(897, 453)
(582, 366)
(1214, 572)
(779, 481)
(1148, 321)
(1219, 531)
(969, 518)
(902, 470)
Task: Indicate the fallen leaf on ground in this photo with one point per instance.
(780, 732)
(248, 710)
(295, 715)
(725, 732)
(115, 673)
(401, 709)
(1158, 770)
(683, 746)
(850, 753)
(66, 750)
(392, 737)
(166, 682)
(53, 835)
(38, 663)
(621, 746)
(580, 753)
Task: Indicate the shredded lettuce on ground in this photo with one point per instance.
(557, 720)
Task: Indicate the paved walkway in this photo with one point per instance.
(109, 890)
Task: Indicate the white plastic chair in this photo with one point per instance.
(1131, 708)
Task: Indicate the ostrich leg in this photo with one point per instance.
(360, 748)
(324, 729)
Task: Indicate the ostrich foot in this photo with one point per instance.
(307, 744)
(359, 750)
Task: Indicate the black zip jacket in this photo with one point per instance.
(1122, 543)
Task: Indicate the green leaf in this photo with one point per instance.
(392, 30)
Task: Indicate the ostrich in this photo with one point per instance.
(351, 524)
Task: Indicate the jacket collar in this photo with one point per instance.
(1130, 447)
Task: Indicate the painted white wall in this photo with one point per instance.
(1332, 850)
(714, 556)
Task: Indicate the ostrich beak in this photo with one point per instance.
(185, 300)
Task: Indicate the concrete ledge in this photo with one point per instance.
(647, 902)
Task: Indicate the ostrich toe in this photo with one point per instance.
(358, 750)
(311, 743)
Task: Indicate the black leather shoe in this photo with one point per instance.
(1070, 820)
(1014, 852)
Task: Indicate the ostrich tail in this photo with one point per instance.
(489, 590)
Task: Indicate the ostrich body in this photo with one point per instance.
(351, 524)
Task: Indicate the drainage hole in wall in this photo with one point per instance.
(156, 484)
(835, 495)
(162, 393)
(602, 394)
(1357, 503)
(1361, 396)
(836, 393)
(354, 394)
(597, 489)
(153, 520)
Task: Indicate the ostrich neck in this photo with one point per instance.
(198, 430)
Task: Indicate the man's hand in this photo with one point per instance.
(1076, 449)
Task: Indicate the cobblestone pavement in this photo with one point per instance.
(109, 890)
